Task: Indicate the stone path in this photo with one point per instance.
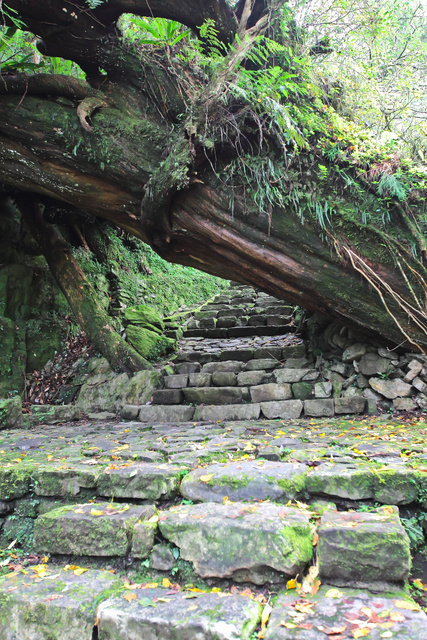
(240, 360)
(216, 512)
(191, 530)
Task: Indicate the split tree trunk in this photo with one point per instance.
(79, 292)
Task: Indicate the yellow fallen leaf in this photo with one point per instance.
(292, 584)
(420, 585)
(366, 611)
(96, 512)
(334, 593)
(288, 625)
(154, 519)
(129, 596)
(151, 585)
(266, 614)
(163, 599)
(361, 633)
(216, 590)
(166, 583)
(193, 607)
(225, 500)
(249, 447)
(79, 571)
(406, 604)
(264, 619)
(207, 477)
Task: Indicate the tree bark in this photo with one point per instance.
(79, 292)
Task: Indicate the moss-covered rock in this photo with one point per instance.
(254, 542)
(149, 344)
(10, 413)
(143, 315)
(100, 529)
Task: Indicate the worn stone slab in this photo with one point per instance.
(363, 547)
(94, 529)
(237, 354)
(391, 389)
(167, 396)
(249, 378)
(290, 375)
(160, 414)
(319, 408)
(343, 609)
(199, 379)
(177, 381)
(270, 392)
(372, 364)
(268, 352)
(354, 404)
(55, 480)
(285, 409)
(224, 379)
(396, 485)
(341, 481)
(141, 480)
(32, 608)
(247, 542)
(226, 365)
(354, 352)
(208, 616)
(216, 395)
(261, 363)
(216, 413)
(245, 480)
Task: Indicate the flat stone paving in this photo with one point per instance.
(220, 499)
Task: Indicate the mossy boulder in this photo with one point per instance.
(10, 413)
(144, 316)
(149, 344)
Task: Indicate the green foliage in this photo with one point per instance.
(158, 32)
(137, 275)
(414, 529)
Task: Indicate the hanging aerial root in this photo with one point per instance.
(416, 315)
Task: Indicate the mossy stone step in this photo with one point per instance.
(216, 395)
(139, 480)
(258, 543)
(246, 480)
(393, 484)
(97, 529)
(217, 413)
(154, 613)
(354, 612)
(52, 604)
(357, 547)
(163, 414)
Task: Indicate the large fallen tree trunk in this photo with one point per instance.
(177, 165)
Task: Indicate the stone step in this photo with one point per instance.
(52, 604)
(157, 613)
(363, 547)
(238, 332)
(97, 529)
(56, 603)
(246, 542)
(346, 613)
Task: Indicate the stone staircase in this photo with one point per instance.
(201, 518)
(172, 550)
(240, 359)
